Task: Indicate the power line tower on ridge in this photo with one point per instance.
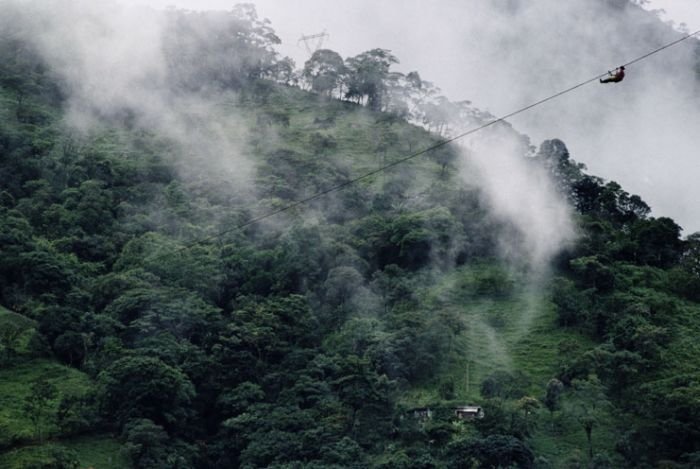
(313, 42)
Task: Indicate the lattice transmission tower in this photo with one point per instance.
(313, 42)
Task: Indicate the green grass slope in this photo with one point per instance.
(510, 326)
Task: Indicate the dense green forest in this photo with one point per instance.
(152, 314)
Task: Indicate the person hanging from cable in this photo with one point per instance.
(615, 77)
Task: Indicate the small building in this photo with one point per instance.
(422, 413)
(469, 412)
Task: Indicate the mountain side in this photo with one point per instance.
(168, 302)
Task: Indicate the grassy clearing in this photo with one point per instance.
(362, 141)
(510, 328)
(15, 383)
(16, 330)
(103, 452)
(99, 452)
(29, 455)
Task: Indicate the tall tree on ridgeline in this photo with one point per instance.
(368, 75)
(324, 71)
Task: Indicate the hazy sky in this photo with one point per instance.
(345, 21)
(680, 11)
(641, 133)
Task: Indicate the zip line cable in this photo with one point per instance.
(404, 159)
(670, 44)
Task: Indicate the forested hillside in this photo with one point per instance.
(167, 302)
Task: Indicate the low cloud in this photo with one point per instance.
(536, 221)
(112, 64)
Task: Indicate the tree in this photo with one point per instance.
(586, 192)
(239, 47)
(196, 268)
(9, 338)
(368, 74)
(324, 71)
(503, 417)
(341, 285)
(673, 407)
(179, 312)
(572, 304)
(637, 334)
(438, 114)
(658, 242)
(235, 401)
(54, 457)
(492, 451)
(685, 279)
(505, 385)
(322, 144)
(392, 285)
(145, 387)
(283, 71)
(77, 413)
(529, 406)
(56, 320)
(592, 273)
(589, 406)
(502, 451)
(446, 390)
(365, 394)
(691, 254)
(91, 206)
(555, 157)
(39, 405)
(552, 397)
(12, 327)
(149, 447)
(71, 347)
(44, 270)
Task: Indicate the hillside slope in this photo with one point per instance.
(162, 317)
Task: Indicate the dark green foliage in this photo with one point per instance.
(658, 242)
(144, 387)
(269, 329)
(553, 395)
(288, 430)
(148, 446)
(503, 417)
(300, 340)
(638, 334)
(573, 305)
(593, 274)
(55, 320)
(447, 390)
(408, 241)
(77, 414)
(504, 385)
(56, 457)
(392, 286)
(70, 347)
(235, 401)
(589, 408)
(13, 327)
(493, 281)
(671, 431)
(492, 451)
(499, 450)
(368, 76)
(39, 406)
